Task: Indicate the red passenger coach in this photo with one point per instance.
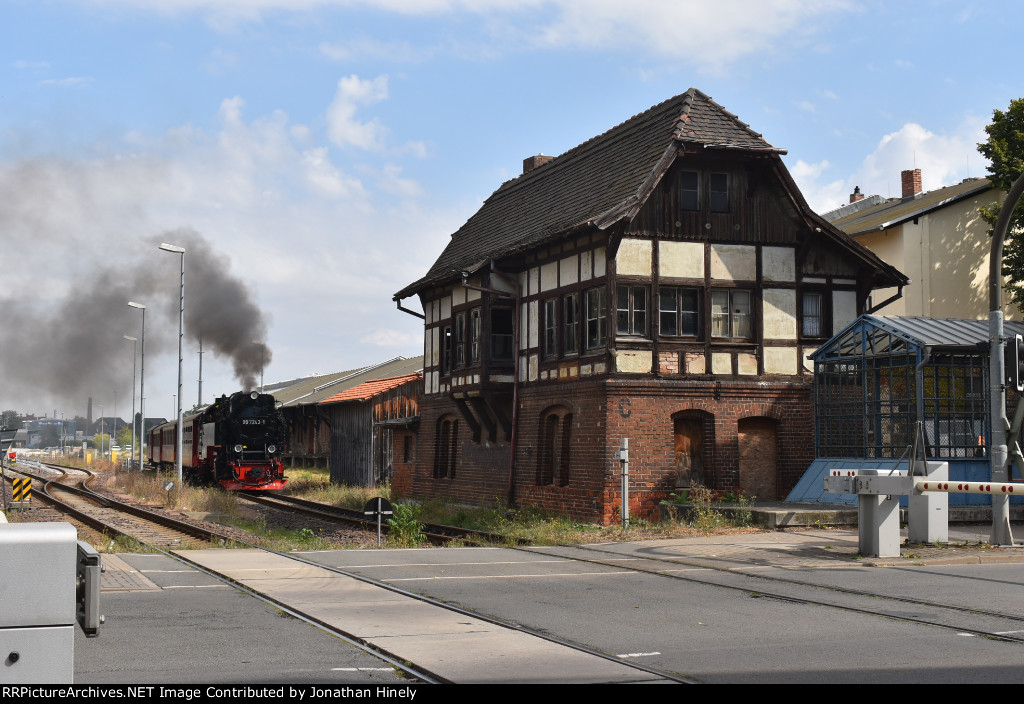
(236, 442)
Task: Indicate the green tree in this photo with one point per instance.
(1004, 149)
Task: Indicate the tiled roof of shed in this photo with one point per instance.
(370, 389)
(594, 183)
(315, 389)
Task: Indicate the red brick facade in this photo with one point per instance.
(604, 411)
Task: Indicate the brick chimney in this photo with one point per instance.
(856, 195)
(911, 179)
(531, 163)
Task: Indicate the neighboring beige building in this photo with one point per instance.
(937, 238)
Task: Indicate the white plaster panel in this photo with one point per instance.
(458, 295)
(534, 367)
(427, 348)
(472, 295)
(522, 367)
(446, 307)
(849, 282)
(534, 328)
(586, 266)
(681, 259)
(599, 266)
(534, 281)
(568, 270)
(634, 362)
(435, 357)
(721, 363)
(524, 282)
(804, 354)
(600, 367)
(844, 309)
(779, 313)
(633, 258)
(434, 382)
(746, 364)
(733, 262)
(524, 319)
(814, 280)
(696, 363)
(778, 264)
(549, 276)
(780, 360)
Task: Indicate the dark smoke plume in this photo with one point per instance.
(64, 350)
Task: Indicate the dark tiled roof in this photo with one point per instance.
(893, 212)
(596, 183)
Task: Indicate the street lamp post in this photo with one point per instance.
(135, 441)
(142, 387)
(181, 334)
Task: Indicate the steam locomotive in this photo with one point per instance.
(236, 442)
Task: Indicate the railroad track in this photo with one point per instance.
(962, 619)
(116, 518)
(437, 534)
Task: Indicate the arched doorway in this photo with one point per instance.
(758, 454)
(692, 440)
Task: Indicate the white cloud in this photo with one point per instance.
(383, 337)
(944, 159)
(342, 125)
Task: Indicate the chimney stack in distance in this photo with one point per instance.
(856, 195)
(911, 179)
(532, 162)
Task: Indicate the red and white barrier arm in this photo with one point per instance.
(971, 487)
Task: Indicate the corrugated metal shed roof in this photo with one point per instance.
(944, 332)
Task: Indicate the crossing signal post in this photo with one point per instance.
(1014, 362)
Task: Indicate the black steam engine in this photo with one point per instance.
(236, 442)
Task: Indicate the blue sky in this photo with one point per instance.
(328, 148)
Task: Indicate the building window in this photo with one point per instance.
(474, 336)
(631, 310)
(811, 324)
(596, 306)
(460, 339)
(446, 350)
(571, 322)
(502, 328)
(551, 327)
(689, 190)
(408, 443)
(447, 442)
(678, 311)
(719, 193)
(730, 314)
(554, 448)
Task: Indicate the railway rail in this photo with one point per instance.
(437, 534)
(116, 518)
(961, 618)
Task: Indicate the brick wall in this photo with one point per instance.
(603, 412)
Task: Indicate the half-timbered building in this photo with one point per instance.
(662, 282)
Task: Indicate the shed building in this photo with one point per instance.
(881, 375)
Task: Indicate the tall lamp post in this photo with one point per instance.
(181, 335)
(142, 387)
(135, 441)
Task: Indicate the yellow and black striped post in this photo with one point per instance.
(22, 490)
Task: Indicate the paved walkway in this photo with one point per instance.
(453, 646)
